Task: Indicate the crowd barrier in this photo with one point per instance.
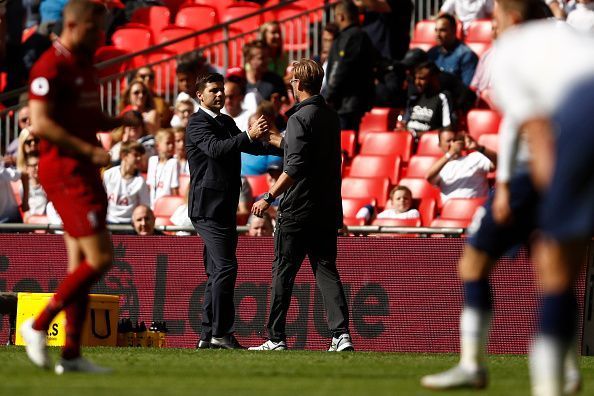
(403, 292)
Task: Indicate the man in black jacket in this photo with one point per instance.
(352, 57)
(310, 211)
(214, 145)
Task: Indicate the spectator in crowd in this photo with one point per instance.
(162, 177)
(28, 145)
(258, 164)
(401, 201)
(179, 135)
(482, 76)
(260, 226)
(180, 217)
(37, 196)
(452, 55)
(268, 84)
(349, 86)
(129, 134)
(388, 25)
(24, 122)
(271, 36)
(272, 174)
(467, 11)
(143, 221)
(183, 110)
(9, 209)
(328, 35)
(138, 97)
(429, 108)
(124, 187)
(147, 75)
(459, 174)
(235, 91)
(246, 199)
(582, 18)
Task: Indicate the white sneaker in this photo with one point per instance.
(80, 365)
(456, 377)
(270, 346)
(36, 344)
(342, 343)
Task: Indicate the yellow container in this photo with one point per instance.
(101, 324)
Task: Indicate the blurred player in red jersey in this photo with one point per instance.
(66, 114)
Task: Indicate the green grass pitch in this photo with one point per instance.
(165, 372)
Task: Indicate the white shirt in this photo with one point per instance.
(242, 120)
(468, 10)
(392, 214)
(123, 195)
(161, 177)
(8, 203)
(37, 200)
(582, 18)
(175, 121)
(482, 76)
(465, 177)
(214, 115)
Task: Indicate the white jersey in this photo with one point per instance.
(161, 177)
(392, 214)
(37, 200)
(468, 10)
(465, 177)
(123, 195)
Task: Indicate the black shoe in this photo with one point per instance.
(203, 344)
(226, 342)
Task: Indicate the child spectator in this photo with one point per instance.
(125, 188)
(180, 151)
(133, 134)
(401, 205)
(162, 177)
(582, 18)
(183, 110)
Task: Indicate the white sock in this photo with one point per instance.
(474, 329)
(571, 370)
(547, 357)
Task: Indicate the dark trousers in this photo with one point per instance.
(291, 246)
(220, 263)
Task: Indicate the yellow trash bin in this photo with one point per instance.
(101, 324)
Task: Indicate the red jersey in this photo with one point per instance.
(71, 85)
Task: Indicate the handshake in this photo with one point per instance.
(261, 131)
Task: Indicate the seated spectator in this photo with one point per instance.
(28, 145)
(452, 55)
(235, 91)
(271, 36)
(183, 110)
(260, 226)
(9, 209)
(582, 18)
(37, 196)
(24, 122)
(124, 187)
(273, 172)
(328, 35)
(467, 11)
(268, 84)
(147, 76)
(401, 205)
(139, 98)
(143, 221)
(246, 199)
(183, 168)
(180, 218)
(162, 177)
(133, 134)
(482, 76)
(461, 173)
(258, 164)
(430, 108)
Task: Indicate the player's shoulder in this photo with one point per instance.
(48, 63)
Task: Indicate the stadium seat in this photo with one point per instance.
(295, 29)
(197, 16)
(350, 207)
(311, 5)
(450, 223)
(164, 64)
(105, 139)
(132, 38)
(370, 188)
(239, 9)
(347, 142)
(108, 52)
(461, 208)
(419, 165)
(165, 206)
(479, 31)
(481, 121)
(258, 184)
(424, 34)
(184, 185)
(379, 119)
(429, 144)
(428, 210)
(219, 5)
(420, 188)
(388, 143)
(172, 32)
(156, 17)
(397, 222)
(490, 141)
(163, 221)
(173, 5)
(376, 166)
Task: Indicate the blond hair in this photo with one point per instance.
(310, 75)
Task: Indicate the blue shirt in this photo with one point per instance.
(257, 164)
(461, 61)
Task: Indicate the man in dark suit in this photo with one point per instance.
(213, 146)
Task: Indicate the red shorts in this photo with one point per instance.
(81, 203)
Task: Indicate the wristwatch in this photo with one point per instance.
(268, 198)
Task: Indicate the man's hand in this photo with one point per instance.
(471, 144)
(259, 129)
(128, 119)
(502, 213)
(260, 207)
(456, 148)
(100, 157)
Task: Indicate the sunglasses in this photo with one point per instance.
(29, 142)
(138, 92)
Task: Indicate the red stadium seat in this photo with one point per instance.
(388, 143)
(370, 188)
(479, 31)
(295, 29)
(164, 69)
(481, 121)
(132, 38)
(428, 210)
(239, 9)
(108, 52)
(376, 166)
(165, 206)
(173, 5)
(397, 222)
(379, 119)
(197, 16)
(350, 207)
(219, 5)
(156, 17)
(172, 32)
(490, 141)
(429, 144)
(420, 188)
(424, 34)
(347, 142)
(461, 208)
(419, 165)
(258, 184)
(450, 223)
(184, 185)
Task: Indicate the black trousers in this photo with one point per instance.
(220, 264)
(291, 245)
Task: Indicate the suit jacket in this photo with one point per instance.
(214, 149)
